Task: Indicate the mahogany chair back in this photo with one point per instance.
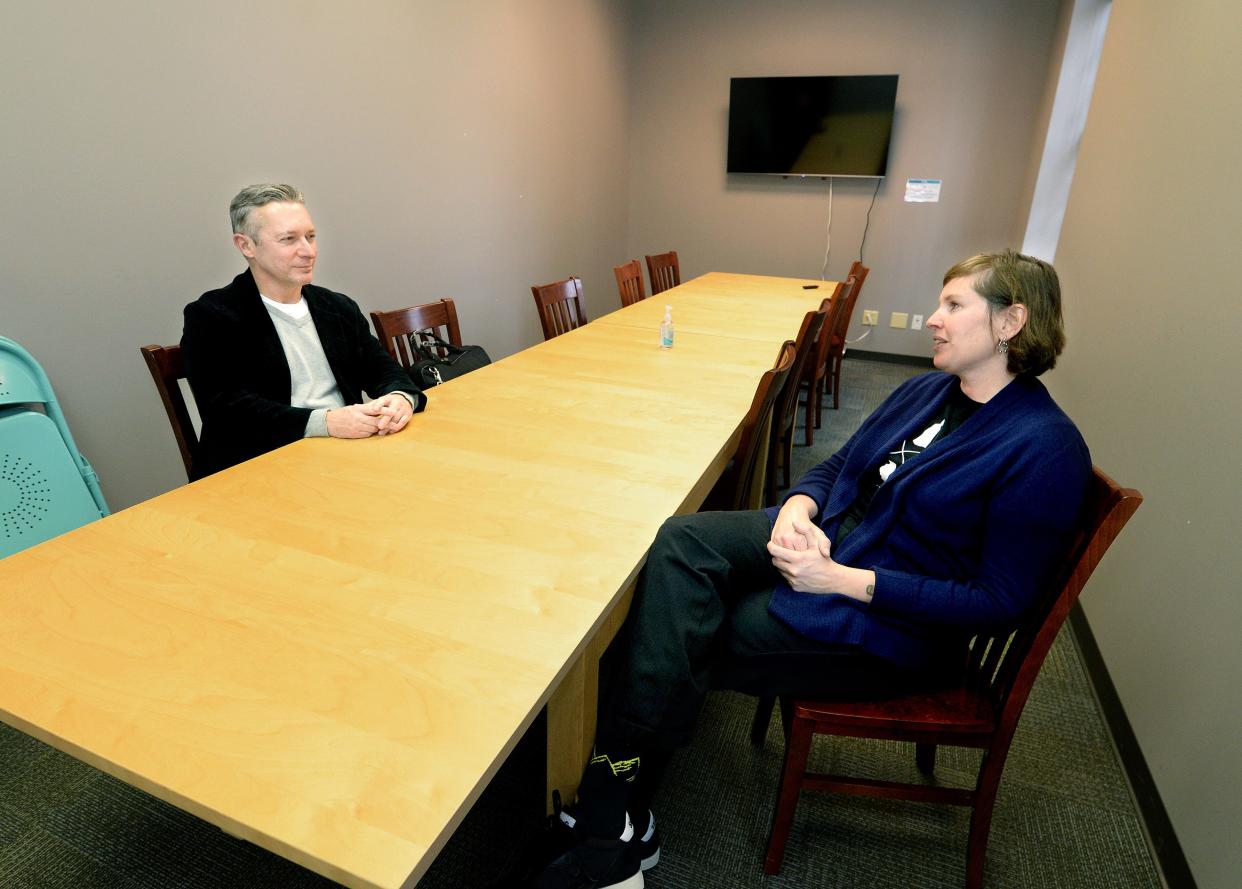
(981, 712)
(560, 306)
(814, 373)
(394, 328)
(166, 368)
(663, 271)
(832, 369)
(859, 273)
(630, 282)
(736, 486)
(785, 411)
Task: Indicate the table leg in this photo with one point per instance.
(573, 706)
(567, 734)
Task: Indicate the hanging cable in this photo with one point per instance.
(828, 234)
(863, 242)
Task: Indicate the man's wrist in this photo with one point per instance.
(317, 424)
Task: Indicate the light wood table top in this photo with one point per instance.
(330, 649)
(770, 309)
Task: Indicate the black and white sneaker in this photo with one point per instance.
(646, 836)
(596, 863)
(546, 856)
(648, 840)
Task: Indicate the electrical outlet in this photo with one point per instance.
(916, 323)
(898, 319)
(871, 317)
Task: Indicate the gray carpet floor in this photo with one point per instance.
(1064, 816)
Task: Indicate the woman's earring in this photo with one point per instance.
(1002, 347)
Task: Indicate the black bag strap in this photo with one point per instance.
(428, 347)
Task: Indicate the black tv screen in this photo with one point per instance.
(811, 126)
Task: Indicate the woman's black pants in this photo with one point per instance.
(700, 620)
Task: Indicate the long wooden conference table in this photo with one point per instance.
(330, 650)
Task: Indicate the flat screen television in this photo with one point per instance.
(811, 126)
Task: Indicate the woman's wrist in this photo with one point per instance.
(857, 583)
(802, 501)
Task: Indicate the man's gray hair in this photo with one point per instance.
(253, 196)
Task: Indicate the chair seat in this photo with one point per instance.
(46, 486)
(43, 492)
(956, 716)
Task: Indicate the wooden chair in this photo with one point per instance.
(785, 413)
(560, 306)
(393, 328)
(663, 271)
(166, 368)
(982, 712)
(832, 370)
(734, 489)
(630, 282)
(814, 373)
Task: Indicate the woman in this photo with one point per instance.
(946, 513)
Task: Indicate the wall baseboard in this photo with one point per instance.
(1172, 860)
(889, 357)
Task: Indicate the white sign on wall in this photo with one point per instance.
(923, 191)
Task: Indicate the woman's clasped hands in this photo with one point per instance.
(799, 549)
(803, 555)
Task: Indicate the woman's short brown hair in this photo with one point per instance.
(1012, 278)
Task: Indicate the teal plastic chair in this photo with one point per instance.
(46, 486)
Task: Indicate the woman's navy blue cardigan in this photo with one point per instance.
(962, 537)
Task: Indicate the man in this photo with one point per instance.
(272, 358)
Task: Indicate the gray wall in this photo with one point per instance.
(972, 105)
(1148, 254)
(464, 149)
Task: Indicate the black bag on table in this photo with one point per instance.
(437, 362)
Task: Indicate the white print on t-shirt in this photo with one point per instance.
(909, 448)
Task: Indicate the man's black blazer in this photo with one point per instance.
(240, 378)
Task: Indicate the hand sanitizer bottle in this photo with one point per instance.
(666, 329)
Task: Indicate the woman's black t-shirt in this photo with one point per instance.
(958, 409)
